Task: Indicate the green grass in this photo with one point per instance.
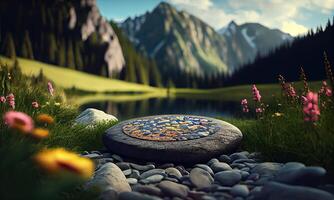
(68, 78)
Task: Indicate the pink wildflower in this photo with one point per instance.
(19, 121)
(325, 89)
(244, 105)
(11, 100)
(290, 90)
(256, 94)
(311, 108)
(35, 104)
(2, 99)
(258, 110)
(50, 88)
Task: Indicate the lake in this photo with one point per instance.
(157, 106)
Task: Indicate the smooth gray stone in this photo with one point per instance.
(136, 196)
(132, 181)
(171, 179)
(172, 189)
(267, 168)
(142, 167)
(246, 169)
(253, 176)
(108, 194)
(220, 166)
(228, 178)
(225, 139)
(213, 160)
(166, 165)
(109, 175)
(240, 190)
(308, 176)
(135, 174)
(238, 155)
(200, 178)
(123, 165)
(244, 175)
(279, 191)
(148, 189)
(127, 172)
(242, 160)
(152, 172)
(196, 195)
(224, 158)
(237, 165)
(156, 178)
(205, 167)
(117, 158)
(183, 171)
(93, 156)
(171, 171)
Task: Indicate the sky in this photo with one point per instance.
(291, 16)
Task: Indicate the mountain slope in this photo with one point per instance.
(178, 41)
(253, 38)
(183, 45)
(68, 33)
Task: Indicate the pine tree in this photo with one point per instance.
(9, 46)
(69, 55)
(51, 47)
(27, 51)
(61, 60)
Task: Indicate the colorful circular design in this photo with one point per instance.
(170, 128)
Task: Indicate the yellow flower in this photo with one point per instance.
(60, 160)
(45, 118)
(57, 104)
(277, 114)
(40, 133)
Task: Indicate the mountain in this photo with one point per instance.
(253, 39)
(67, 33)
(305, 51)
(184, 45)
(178, 41)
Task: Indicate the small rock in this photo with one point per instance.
(136, 196)
(127, 172)
(123, 166)
(148, 189)
(220, 166)
(135, 174)
(244, 160)
(171, 171)
(240, 190)
(142, 167)
(228, 178)
(236, 156)
(278, 191)
(244, 175)
(117, 158)
(172, 189)
(196, 195)
(109, 175)
(253, 176)
(152, 172)
(308, 176)
(92, 116)
(213, 160)
(166, 165)
(132, 181)
(93, 156)
(108, 194)
(182, 170)
(267, 169)
(224, 158)
(200, 178)
(156, 178)
(205, 167)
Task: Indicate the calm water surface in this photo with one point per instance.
(128, 110)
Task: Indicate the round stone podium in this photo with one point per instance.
(172, 138)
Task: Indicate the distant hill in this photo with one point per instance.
(305, 51)
(184, 46)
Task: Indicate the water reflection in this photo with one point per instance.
(158, 106)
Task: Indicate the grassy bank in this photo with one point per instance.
(68, 78)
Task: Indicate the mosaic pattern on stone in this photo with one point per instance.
(171, 128)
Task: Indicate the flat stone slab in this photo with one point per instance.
(172, 138)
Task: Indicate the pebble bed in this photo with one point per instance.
(170, 128)
(237, 176)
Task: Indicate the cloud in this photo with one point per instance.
(293, 28)
(272, 13)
